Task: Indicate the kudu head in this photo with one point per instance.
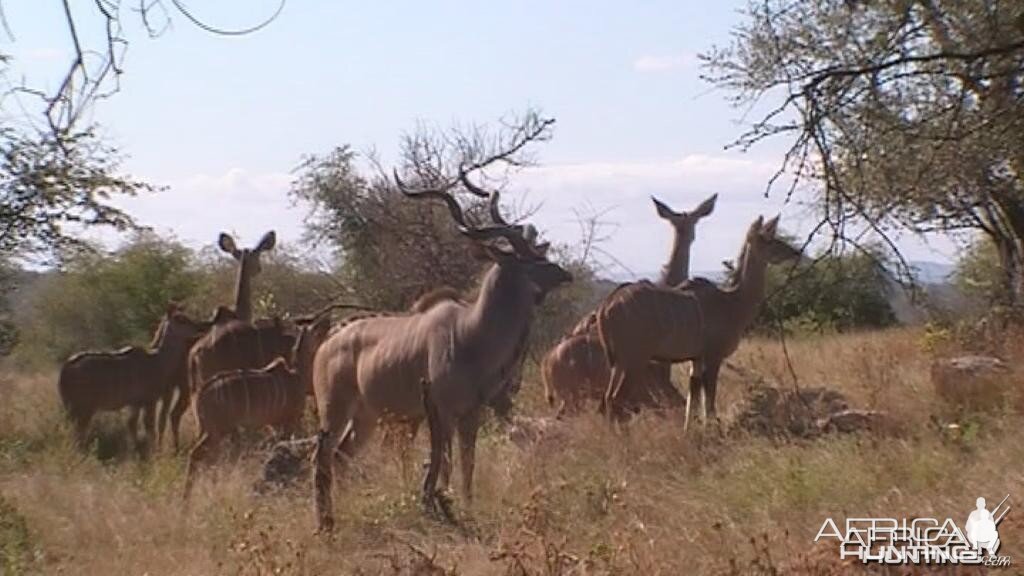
(248, 266)
(521, 255)
(764, 244)
(312, 331)
(177, 332)
(685, 223)
(685, 226)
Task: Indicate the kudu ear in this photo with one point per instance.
(227, 244)
(663, 210)
(267, 242)
(756, 228)
(771, 227)
(706, 207)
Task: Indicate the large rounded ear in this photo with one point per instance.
(663, 210)
(267, 242)
(706, 207)
(227, 244)
(771, 227)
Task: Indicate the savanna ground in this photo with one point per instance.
(583, 500)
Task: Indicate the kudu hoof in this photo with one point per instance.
(439, 507)
(325, 527)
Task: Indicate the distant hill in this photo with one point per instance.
(927, 272)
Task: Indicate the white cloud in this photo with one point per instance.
(197, 208)
(662, 63)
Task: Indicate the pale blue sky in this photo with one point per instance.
(222, 121)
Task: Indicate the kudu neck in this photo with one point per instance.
(501, 313)
(677, 269)
(751, 285)
(243, 293)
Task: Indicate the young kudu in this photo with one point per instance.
(248, 266)
(132, 377)
(234, 342)
(697, 322)
(274, 395)
(377, 365)
(575, 370)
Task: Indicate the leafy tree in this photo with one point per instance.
(101, 302)
(56, 177)
(391, 250)
(51, 188)
(827, 293)
(979, 274)
(902, 114)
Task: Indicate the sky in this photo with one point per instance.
(223, 121)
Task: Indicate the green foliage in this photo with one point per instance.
(107, 301)
(900, 113)
(49, 186)
(980, 274)
(287, 284)
(102, 302)
(830, 293)
(391, 249)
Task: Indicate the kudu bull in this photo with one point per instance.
(575, 370)
(376, 366)
(697, 322)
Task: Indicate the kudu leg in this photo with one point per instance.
(133, 428)
(694, 394)
(81, 423)
(323, 479)
(180, 406)
(166, 401)
(199, 454)
(440, 442)
(710, 381)
(467, 429)
(609, 404)
(149, 425)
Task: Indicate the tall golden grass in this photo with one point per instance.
(583, 500)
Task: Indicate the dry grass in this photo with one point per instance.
(583, 500)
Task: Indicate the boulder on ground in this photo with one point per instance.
(287, 464)
(807, 413)
(971, 382)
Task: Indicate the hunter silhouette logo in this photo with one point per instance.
(982, 525)
(923, 541)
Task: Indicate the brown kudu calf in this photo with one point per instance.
(697, 322)
(575, 370)
(377, 365)
(274, 395)
(134, 377)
